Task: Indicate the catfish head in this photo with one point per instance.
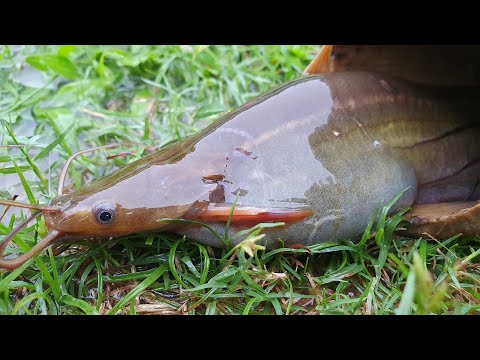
(134, 199)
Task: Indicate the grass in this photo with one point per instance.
(57, 100)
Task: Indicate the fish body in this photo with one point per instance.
(320, 153)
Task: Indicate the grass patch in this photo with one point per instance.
(56, 100)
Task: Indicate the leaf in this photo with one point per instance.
(171, 263)
(340, 274)
(50, 147)
(12, 170)
(37, 62)
(34, 167)
(315, 249)
(6, 282)
(65, 50)
(197, 49)
(115, 53)
(211, 308)
(209, 110)
(221, 277)
(58, 64)
(206, 267)
(101, 66)
(405, 307)
(249, 305)
(149, 240)
(79, 89)
(383, 215)
(141, 287)
(4, 194)
(4, 52)
(127, 277)
(25, 184)
(83, 305)
(24, 303)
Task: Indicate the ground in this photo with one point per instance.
(57, 100)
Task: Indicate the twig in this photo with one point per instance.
(8, 207)
(93, 113)
(152, 109)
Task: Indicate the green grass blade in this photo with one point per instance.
(34, 167)
(78, 303)
(51, 146)
(405, 307)
(141, 287)
(171, 263)
(25, 185)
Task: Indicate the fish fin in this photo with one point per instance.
(321, 63)
(444, 220)
(247, 215)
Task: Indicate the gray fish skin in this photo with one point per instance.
(343, 144)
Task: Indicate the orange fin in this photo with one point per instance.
(246, 215)
(321, 63)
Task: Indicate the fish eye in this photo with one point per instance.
(104, 212)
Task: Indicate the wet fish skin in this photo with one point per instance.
(340, 144)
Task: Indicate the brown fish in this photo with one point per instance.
(320, 153)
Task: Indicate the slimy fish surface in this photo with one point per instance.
(320, 153)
